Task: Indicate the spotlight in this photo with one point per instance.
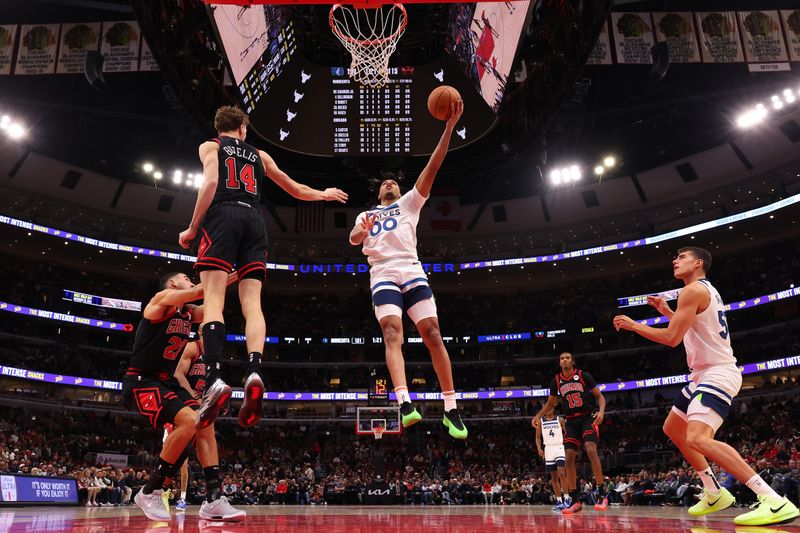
(599, 170)
(158, 175)
(752, 117)
(555, 177)
(575, 173)
(609, 161)
(177, 176)
(4, 122)
(16, 131)
(147, 167)
(777, 104)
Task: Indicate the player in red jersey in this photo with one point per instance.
(583, 407)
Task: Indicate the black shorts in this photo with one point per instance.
(158, 400)
(233, 233)
(581, 429)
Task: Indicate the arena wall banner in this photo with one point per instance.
(357, 396)
(76, 40)
(8, 34)
(362, 268)
(763, 40)
(719, 37)
(35, 489)
(633, 38)
(37, 49)
(120, 46)
(791, 28)
(601, 53)
(677, 30)
(147, 62)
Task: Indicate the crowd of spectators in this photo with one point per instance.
(319, 463)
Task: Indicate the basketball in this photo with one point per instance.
(440, 99)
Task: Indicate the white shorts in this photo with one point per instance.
(401, 285)
(554, 457)
(708, 397)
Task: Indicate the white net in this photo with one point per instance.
(370, 34)
(378, 432)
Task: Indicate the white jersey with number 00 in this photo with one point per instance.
(551, 432)
(394, 233)
(708, 340)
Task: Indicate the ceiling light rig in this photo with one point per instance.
(13, 129)
(185, 181)
(757, 114)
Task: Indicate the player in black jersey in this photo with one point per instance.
(233, 233)
(584, 407)
(191, 374)
(150, 387)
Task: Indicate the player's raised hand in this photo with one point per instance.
(333, 194)
(659, 303)
(186, 237)
(368, 221)
(456, 110)
(624, 322)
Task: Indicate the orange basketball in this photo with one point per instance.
(440, 99)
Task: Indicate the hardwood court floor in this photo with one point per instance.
(405, 519)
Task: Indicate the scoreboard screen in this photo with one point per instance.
(318, 110)
(378, 392)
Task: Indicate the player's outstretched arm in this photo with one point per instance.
(298, 190)
(428, 175)
(209, 156)
(660, 305)
(364, 223)
(548, 407)
(691, 299)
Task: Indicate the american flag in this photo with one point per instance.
(310, 217)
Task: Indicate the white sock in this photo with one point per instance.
(183, 495)
(710, 483)
(559, 500)
(402, 395)
(449, 399)
(759, 486)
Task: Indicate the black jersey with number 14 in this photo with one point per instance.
(575, 392)
(241, 172)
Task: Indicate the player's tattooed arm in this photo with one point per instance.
(298, 190)
(428, 175)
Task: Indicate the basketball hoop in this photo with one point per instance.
(377, 431)
(370, 34)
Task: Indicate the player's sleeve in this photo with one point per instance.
(590, 382)
(553, 388)
(412, 200)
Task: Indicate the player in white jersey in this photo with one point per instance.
(551, 432)
(700, 322)
(388, 235)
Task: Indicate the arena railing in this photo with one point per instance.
(748, 303)
(509, 394)
(353, 268)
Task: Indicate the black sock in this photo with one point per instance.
(213, 483)
(163, 472)
(213, 343)
(255, 361)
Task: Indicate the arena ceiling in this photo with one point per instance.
(624, 110)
